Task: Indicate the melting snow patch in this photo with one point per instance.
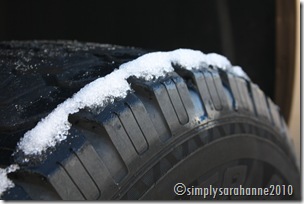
(5, 182)
(54, 128)
(238, 71)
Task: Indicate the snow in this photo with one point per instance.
(54, 128)
(238, 71)
(5, 182)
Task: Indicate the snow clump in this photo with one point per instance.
(54, 128)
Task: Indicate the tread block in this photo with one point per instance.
(176, 102)
(172, 98)
(81, 178)
(121, 140)
(242, 85)
(142, 118)
(91, 127)
(275, 113)
(239, 90)
(184, 95)
(166, 107)
(239, 103)
(133, 130)
(97, 170)
(219, 89)
(205, 95)
(260, 102)
(145, 92)
(64, 185)
(210, 89)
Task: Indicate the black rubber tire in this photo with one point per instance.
(194, 127)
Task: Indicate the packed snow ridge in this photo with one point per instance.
(6, 183)
(54, 128)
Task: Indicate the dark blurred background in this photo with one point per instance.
(242, 30)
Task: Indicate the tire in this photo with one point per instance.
(200, 128)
